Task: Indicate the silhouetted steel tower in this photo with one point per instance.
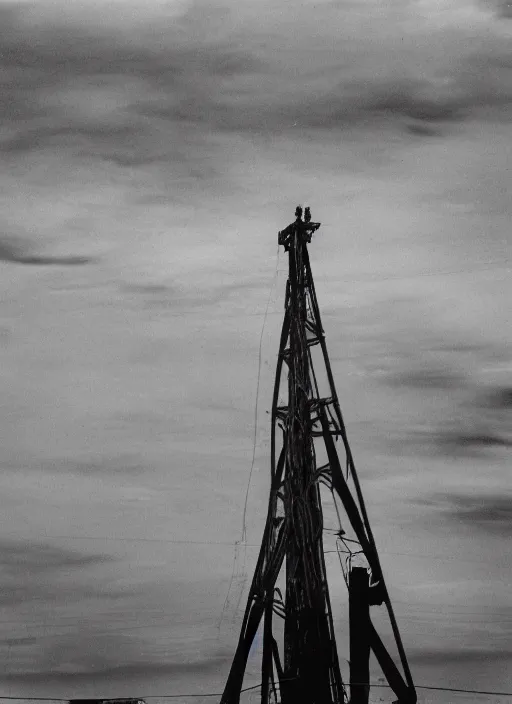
(305, 670)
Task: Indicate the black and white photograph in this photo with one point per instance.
(255, 351)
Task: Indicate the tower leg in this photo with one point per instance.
(359, 615)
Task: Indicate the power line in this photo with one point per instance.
(450, 689)
(123, 699)
(188, 695)
(121, 539)
(420, 607)
(243, 538)
(225, 543)
(428, 556)
(370, 278)
(72, 622)
(244, 515)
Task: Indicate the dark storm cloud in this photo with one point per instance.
(36, 572)
(462, 435)
(422, 130)
(403, 101)
(38, 584)
(130, 670)
(40, 67)
(37, 559)
(245, 78)
(462, 414)
(42, 583)
(79, 650)
(40, 137)
(473, 442)
(499, 399)
(15, 642)
(14, 252)
(10, 251)
(427, 378)
(491, 513)
(440, 658)
(480, 424)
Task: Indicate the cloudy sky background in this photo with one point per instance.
(150, 153)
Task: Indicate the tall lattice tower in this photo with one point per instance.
(294, 602)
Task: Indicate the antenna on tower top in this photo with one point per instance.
(304, 229)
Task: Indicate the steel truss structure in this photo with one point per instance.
(305, 668)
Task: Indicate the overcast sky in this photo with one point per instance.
(150, 153)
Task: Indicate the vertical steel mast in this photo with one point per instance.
(311, 669)
(305, 668)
